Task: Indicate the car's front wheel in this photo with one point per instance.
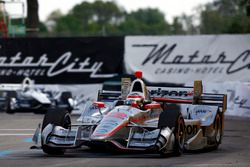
(58, 117)
(173, 119)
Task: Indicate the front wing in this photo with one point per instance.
(139, 138)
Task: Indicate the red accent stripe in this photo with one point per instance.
(152, 106)
(136, 120)
(134, 97)
(172, 100)
(190, 93)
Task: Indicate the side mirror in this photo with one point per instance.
(99, 104)
(152, 106)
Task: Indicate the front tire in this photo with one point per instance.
(9, 109)
(173, 119)
(57, 117)
(11, 95)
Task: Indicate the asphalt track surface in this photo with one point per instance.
(15, 140)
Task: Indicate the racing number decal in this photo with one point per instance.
(118, 115)
(191, 129)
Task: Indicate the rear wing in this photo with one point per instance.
(185, 95)
(188, 95)
(10, 87)
(111, 95)
(104, 95)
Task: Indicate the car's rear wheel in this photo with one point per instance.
(179, 133)
(217, 130)
(58, 117)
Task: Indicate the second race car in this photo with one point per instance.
(28, 97)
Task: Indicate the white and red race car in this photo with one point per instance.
(154, 119)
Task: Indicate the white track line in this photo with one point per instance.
(15, 134)
(17, 129)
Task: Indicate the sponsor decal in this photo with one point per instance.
(162, 93)
(191, 129)
(202, 111)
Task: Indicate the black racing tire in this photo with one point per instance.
(218, 130)
(173, 119)
(8, 107)
(58, 117)
(10, 95)
(179, 134)
(66, 95)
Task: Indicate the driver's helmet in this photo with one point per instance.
(27, 84)
(135, 98)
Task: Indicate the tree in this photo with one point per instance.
(177, 26)
(107, 18)
(212, 22)
(225, 16)
(97, 18)
(145, 22)
(32, 22)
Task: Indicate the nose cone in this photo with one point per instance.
(110, 125)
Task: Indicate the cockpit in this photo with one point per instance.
(138, 93)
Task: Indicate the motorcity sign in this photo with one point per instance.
(181, 59)
(44, 67)
(60, 60)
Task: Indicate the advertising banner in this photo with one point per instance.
(182, 59)
(238, 96)
(61, 60)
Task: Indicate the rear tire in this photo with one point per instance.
(218, 130)
(58, 117)
(179, 134)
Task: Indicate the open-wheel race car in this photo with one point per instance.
(155, 119)
(28, 97)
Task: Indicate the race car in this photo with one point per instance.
(155, 119)
(27, 97)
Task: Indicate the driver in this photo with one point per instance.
(135, 99)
